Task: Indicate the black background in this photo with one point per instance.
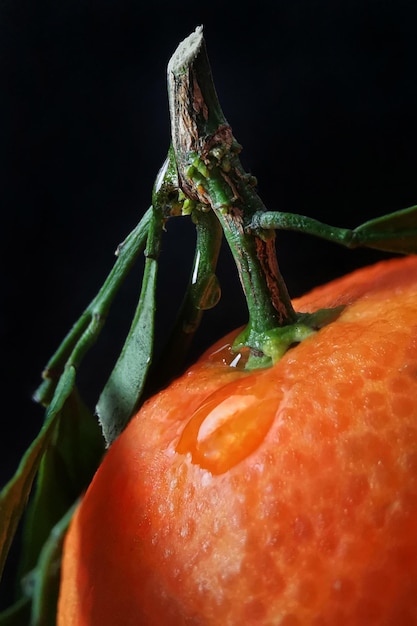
(322, 96)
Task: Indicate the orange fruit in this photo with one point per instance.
(286, 496)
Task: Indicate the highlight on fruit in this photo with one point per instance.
(274, 481)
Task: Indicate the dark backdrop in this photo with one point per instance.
(322, 95)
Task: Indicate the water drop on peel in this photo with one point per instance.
(227, 356)
(231, 424)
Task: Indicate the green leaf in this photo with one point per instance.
(67, 466)
(14, 495)
(72, 452)
(40, 587)
(67, 450)
(124, 388)
(71, 455)
(395, 232)
(43, 582)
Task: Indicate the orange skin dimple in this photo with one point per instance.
(198, 517)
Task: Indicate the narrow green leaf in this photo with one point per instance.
(395, 232)
(14, 495)
(40, 587)
(45, 579)
(69, 462)
(55, 492)
(124, 387)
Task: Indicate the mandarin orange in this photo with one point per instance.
(285, 496)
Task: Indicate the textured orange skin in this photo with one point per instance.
(316, 525)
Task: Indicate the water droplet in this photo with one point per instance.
(231, 424)
(229, 357)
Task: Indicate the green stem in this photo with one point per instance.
(210, 173)
(300, 223)
(86, 330)
(394, 232)
(203, 293)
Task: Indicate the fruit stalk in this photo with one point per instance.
(211, 175)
